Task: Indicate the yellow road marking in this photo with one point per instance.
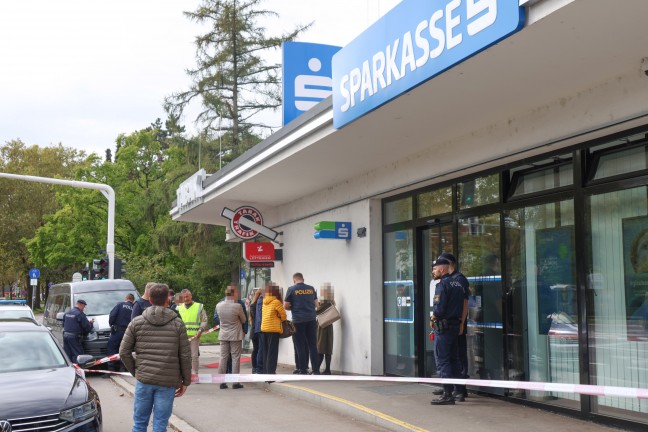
(360, 407)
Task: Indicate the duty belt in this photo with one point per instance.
(66, 333)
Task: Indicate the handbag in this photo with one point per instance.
(287, 329)
(327, 315)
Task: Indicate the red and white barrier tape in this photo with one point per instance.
(113, 357)
(213, 329)
(592, 390)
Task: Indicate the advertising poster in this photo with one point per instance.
(635, 266)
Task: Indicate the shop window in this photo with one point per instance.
(540, 299)
(434, 202)
(617, 291)
(542, 176)
(619, 157)
(478, 192)
(398, 211)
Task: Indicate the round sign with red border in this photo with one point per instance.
(240, 215)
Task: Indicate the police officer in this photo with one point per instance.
(447, 312)
(460, 392)
(119, 318)
(75, 325)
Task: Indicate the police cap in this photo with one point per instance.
(81, 301)
(440, 261)
(449, 257)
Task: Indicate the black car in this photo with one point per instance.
(40, 389)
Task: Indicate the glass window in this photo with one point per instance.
(618, 293)
(480, 191)
(434, 202)
(398, 211)
(542, 180)
(102, 302)
(621, 162)
(398, 303)
(542, 329)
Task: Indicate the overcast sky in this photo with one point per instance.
(80, 72)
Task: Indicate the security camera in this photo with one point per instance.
(644, 65)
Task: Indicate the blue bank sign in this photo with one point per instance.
(306, 77)
(415, 41)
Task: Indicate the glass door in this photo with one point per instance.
(434, 240)
(479, 260)
(398, 303)
(541, 312)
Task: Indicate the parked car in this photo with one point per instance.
(101, 296)
(15, 309)
(44, 391)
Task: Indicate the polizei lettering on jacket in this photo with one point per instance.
(304, 291)
(414, 49)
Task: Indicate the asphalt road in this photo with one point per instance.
(116, 405)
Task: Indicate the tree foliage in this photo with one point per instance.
(231, 80)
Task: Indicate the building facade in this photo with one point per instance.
(527, 160)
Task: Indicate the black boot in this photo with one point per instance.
(444, 399)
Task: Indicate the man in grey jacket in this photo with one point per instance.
(163, 366)
(231, 334)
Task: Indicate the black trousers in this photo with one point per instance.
(270, 352)
(72, 346)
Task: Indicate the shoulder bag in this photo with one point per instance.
(327, 315)
(287, 329)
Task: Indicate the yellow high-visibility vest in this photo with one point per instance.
(191, 317)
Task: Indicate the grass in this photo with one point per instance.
(209, 339)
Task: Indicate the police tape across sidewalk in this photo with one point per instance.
(591, 390)
(116, 357)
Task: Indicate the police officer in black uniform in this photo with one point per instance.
(447, 312)
(460, 392)
(119, 318)
(75, 325)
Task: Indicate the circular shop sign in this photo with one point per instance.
(242, 214)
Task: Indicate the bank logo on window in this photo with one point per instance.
(307, 77)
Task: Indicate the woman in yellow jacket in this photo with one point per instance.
(272, 316)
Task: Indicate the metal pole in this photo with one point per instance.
(106, 190)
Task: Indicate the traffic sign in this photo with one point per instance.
(34, 273)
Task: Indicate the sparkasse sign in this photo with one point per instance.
(415, 41)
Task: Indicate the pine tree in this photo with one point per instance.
(231, 80)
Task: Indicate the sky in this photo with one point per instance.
(81, 72)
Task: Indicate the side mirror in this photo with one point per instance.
(60, 316)
(85, 360)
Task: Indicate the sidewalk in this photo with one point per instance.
(376, 405)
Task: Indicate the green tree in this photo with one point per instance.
(231, 80)
(24, 205)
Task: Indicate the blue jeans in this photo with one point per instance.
(156, 399)
(306, 344)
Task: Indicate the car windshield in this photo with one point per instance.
(15, 313)
(27, 350)
(101, 302)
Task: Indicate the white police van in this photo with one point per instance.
(100, 295)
